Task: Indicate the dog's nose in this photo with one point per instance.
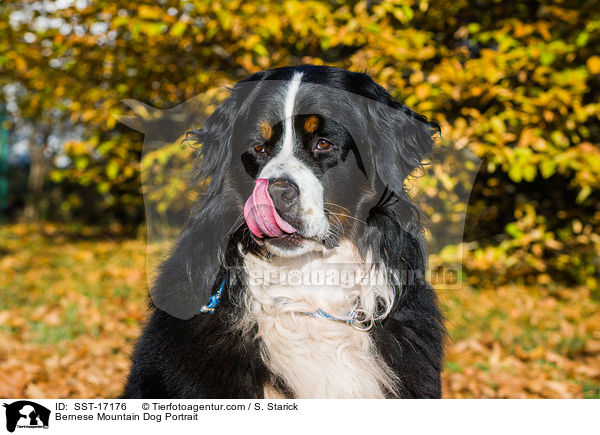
(284, 194)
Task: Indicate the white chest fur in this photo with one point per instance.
(318, 357)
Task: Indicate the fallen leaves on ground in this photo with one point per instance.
(522, 342)
(72, 308)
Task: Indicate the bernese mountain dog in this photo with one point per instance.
(300, 272)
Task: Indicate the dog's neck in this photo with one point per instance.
(318, 357)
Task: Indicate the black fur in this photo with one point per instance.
(202, 356)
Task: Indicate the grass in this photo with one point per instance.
(71, 309)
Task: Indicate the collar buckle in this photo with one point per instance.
(359, 321)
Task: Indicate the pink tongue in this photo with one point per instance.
(261, 216)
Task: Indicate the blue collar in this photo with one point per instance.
(214, 300)
(355, 318)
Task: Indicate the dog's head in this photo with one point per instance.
(299, 159)
(307, 153)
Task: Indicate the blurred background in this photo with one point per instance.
(517, 83)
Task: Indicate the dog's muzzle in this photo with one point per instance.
(261, 208)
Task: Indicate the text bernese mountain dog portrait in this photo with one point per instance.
(300, 271)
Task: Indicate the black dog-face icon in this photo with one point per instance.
(25, 413)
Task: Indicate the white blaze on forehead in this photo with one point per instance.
(290, 100)
(285, 165)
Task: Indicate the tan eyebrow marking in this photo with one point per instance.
(265, 130)
(311, 124)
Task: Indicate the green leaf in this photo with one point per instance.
(529, 172)
(178, 29)
(81, 162)
(546, 58)
(547, 167)
(514, 231)
(103, 187)
(515, 173)
(583, 194)
(260, 49)
(112, 169)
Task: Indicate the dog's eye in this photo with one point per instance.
(323, 145)
(259, 148)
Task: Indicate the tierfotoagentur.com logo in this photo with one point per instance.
(25, 414)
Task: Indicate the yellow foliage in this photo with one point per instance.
(515, 82)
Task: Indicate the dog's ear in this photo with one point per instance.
(196, 264)
(400, 138)
(399, 141)
(213, 140)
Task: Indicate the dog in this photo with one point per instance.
(306, 167)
